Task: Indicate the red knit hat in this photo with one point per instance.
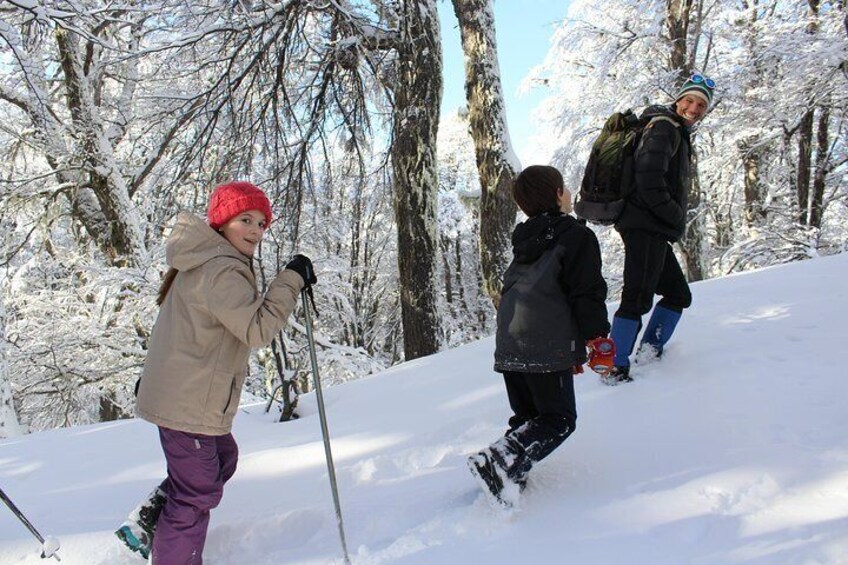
(231, 199)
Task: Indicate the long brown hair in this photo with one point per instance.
(167, 281)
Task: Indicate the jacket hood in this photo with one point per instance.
(192, 243)
(538, 234)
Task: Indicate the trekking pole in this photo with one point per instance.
(323, 417)
(50, 546)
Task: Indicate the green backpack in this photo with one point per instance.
(608, 177)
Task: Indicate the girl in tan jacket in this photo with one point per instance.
(211, 314)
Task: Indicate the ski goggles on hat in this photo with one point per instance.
(699, 79)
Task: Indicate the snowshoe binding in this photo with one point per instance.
(137, 531)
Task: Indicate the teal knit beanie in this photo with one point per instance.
(700, 86)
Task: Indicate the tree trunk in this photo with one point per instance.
(841, 5)
(691, 246)
(126, 242)
(496, 162)
(418, 93)
(358, 265)
(444, 251)
(750, 148)
(755, 210)
(805, 137)
(460, 288)
(805, 153)
(9, 426)
(822, 153)
(109, 409)
(677, 26)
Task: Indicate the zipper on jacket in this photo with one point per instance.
(229, 398)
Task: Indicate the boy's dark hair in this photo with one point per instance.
(535, 189)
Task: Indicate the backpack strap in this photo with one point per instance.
(673, 122)
(656, 119)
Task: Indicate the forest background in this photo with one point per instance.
(116, 115)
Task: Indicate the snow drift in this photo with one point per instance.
(732, 449)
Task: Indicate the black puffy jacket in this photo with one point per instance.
(662, 177)
(553, 296)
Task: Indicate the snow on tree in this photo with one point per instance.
(114, 120)
(86, 129)
(755, 152)
(465, 308)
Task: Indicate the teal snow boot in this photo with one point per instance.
(138, 529)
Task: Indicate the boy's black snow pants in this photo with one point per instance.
(544, 415)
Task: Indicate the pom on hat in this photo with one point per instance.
(231, 199)
(699, 86)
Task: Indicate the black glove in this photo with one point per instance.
(301, 265)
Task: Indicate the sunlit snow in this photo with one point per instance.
(732, 449)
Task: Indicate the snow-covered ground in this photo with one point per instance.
(732, 449)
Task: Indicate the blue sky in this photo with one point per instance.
(524, 28)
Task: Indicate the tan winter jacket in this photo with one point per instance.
(211, 317)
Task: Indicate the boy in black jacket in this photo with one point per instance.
(552, 304)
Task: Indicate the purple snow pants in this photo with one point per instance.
(198, 467)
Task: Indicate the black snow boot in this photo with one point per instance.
(491, 469)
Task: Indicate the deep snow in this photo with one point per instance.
(732, 449)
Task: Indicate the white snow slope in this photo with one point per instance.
(732, 449)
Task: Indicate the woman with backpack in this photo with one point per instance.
(653, 218)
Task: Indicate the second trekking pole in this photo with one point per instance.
(323, 416)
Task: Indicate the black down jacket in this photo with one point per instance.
(662, 177)
(553, 296)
